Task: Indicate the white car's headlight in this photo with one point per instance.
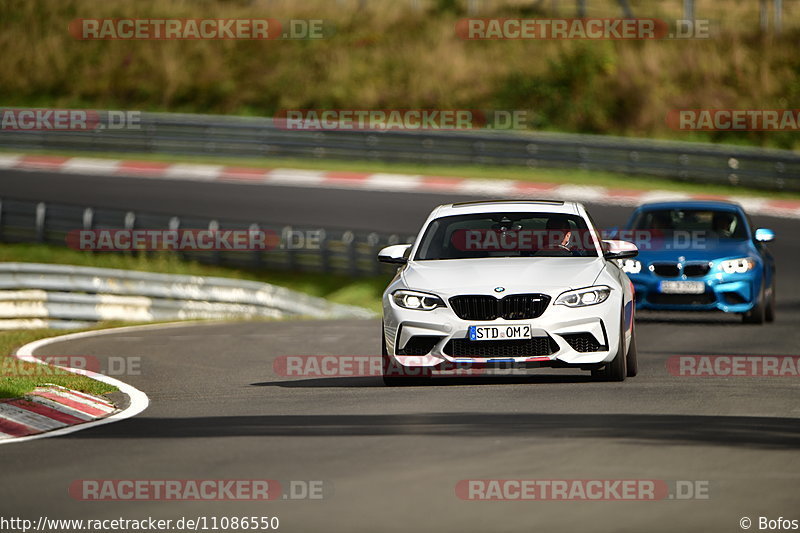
(737, 266)
(630, 266)
(584, 297)
(422, 301)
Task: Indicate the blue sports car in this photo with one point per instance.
(701, 255)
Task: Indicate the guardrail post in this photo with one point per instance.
(174, 224)
(257, 261)
(1, 220)
(349, 240)
(216, 256)
(130, 224)
(286, 241)
(374, 240)
(324, 251)
(41, 220)
(88, 219)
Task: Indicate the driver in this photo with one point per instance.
(722, 223)
(559, 234)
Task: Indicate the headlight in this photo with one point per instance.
(631, 266)
(584, 297)
(737, 266)
(417, 300)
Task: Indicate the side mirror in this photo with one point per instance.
(397, 254)
(619, 249)
(765, 235)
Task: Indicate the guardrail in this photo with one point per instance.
(42, 295)
(333, 250)
(182, 134)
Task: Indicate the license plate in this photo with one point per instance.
(683, 287)
(496, 333)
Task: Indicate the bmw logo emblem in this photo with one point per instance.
(499, 289)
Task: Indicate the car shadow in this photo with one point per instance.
(658, 430)
(688, 317)
(371, 381)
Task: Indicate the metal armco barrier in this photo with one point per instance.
(181, 134)
(332, 250)
(42, 295)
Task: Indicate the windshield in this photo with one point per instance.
(710, 223)
(479, 235)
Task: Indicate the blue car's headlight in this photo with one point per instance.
(421, 301)
(737, 266)
(630, 266)
(584, 297)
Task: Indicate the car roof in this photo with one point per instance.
(692, 204)
(521, 205)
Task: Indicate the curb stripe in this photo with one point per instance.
(83, 417)
(77, 397)
(89, 410)
(43, 410)
(13, 429)
(380, 182)
(28, 418)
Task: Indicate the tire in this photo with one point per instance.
(631, 358)
(757, 314)
(769, 312)
(615, 369)
(390, 370)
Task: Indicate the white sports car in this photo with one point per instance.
(508, 284)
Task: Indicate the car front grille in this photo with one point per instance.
(696, 270)
(512, 307)
(666, 270)
(674, 270)
(537, 346)
(682, 299)
(583, 342)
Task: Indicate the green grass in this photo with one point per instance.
(539, 175)
(365, 292)
(18, 378)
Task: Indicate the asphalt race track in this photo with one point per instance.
(390, 459)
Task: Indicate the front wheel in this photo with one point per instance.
(616, 368)
(632, 359)
(769, 312)
(757, 314)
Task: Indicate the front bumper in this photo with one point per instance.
(595, 326)
(731, 293)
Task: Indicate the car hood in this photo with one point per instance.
(514, 274)
(708, 252)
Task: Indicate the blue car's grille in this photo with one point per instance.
(666, 270)
(696, 270)
(674, 270)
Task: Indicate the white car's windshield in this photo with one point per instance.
(512, 234)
